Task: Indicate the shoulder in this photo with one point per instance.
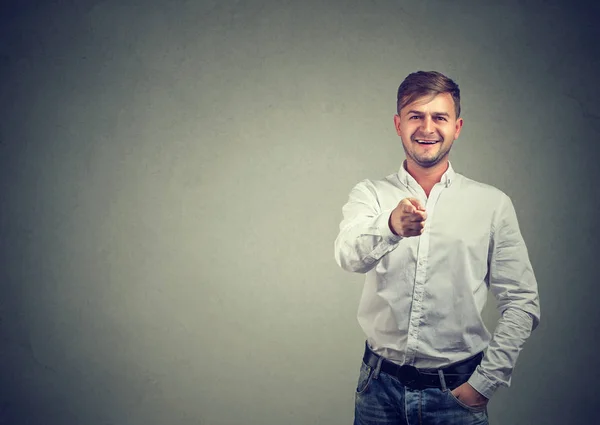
(375, 186)
(483, 191)
(381, 193)
(489, 200)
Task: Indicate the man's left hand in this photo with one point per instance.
(469, 395)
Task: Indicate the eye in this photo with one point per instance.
(414, 117)
(440, 118)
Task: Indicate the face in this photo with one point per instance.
(428, 127)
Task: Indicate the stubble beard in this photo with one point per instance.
(427, 160)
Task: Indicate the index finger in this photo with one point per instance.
(406, 206)
(416, 203)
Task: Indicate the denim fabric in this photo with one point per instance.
(381, 400)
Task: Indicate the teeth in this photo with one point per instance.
(427, 142)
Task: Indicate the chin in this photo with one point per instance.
(428, 164)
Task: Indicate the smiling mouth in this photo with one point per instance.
(426, 142)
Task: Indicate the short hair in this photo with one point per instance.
(427, 83)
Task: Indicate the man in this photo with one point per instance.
(431, 243)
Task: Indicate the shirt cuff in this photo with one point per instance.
(482, 385)
(382, 224)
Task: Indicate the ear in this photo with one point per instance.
(397, 124)
(459, 124)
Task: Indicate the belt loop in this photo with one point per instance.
(442, 380)
(377, 368)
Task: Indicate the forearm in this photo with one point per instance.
(495, 370)
(362, 243)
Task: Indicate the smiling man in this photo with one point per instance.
(431, 243)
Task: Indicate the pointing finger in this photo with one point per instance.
(408, 208)
(416, 203)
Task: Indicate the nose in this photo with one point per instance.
(427, 125)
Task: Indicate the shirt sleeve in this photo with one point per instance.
(365, 236)
(514, 286)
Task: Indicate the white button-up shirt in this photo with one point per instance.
(423, 296)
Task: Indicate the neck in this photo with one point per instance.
(427, 177)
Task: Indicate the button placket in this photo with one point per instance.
(420, 279)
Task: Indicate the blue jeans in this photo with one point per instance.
(381, 399)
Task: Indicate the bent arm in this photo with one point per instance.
(365, 236)
(513, 283)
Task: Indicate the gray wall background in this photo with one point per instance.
(172, 176)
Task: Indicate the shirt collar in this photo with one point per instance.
(407, 180)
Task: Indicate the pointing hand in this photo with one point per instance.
(408, 218)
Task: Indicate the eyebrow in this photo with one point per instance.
(437, 114)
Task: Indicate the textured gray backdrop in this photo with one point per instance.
(172, 175)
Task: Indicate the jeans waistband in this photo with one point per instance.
(450, 376)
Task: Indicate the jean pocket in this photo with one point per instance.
(364, 378)
(474, 409)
